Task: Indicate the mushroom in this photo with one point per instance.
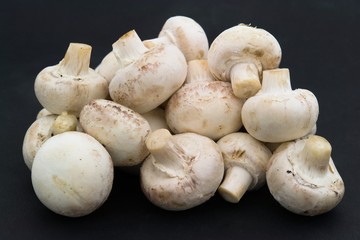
(149, 76)
(239, 54)
(42, 129)
(277, 113)
(302, 176)
(245, 160)
(207, 108)
(186, 34)
(71, 84)
(42, 113)
(121, 130)
(38, 132)
(179, 174)
(72, 174)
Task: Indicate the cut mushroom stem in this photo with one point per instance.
(64, 122)
(167, 153)
(245, 80)
(128, 48)
(236, 182)
(77, 60)
(316, 154)
(276, 81)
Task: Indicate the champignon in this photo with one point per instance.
(38, 132)
(69, 85)
(121, 130)
(182, 171)
(245, 160)
(240, 54)
(186, 34)
(207, 108)
(72, 174)
(149, 76)
(277, 113)
(302, 176)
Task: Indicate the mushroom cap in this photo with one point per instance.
(146, 83)
(243, 44)
(72, 174)
(241, 149)
(203, 172)
(292, 185)
(207, 108)
(58, 92)
(280, 117)
(38, 132)
(121, 130)
(42, 113)
(187, 35)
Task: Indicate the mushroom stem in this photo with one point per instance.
(236, 182)
(245, 80)
(128, 48)
(198, 70)
(316, 153)
(168, 155)
(63, 123)
(276, 80)
(77, 60)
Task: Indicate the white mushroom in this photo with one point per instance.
(121, 130)
(72, 174)
(69, 85)
(182, 171)
(245, 160)
(186, 34)
(302, 176)
(207, 108)
(239, 54)
(149, 76)
(42, 113)
(42, 129)
(38, 132)
(277, 113)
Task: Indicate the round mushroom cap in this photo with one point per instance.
(297, 188)
(241, 149)
(280, 117)
(187, 35)
(121, 130)
(203, 170)
(149, 81)
(58, 92)
(72, 174)
(243, 44)
(207, 108)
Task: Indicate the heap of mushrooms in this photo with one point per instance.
(192, 119)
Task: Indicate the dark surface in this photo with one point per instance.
(320, 42)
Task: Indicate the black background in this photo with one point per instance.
(320, 43)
